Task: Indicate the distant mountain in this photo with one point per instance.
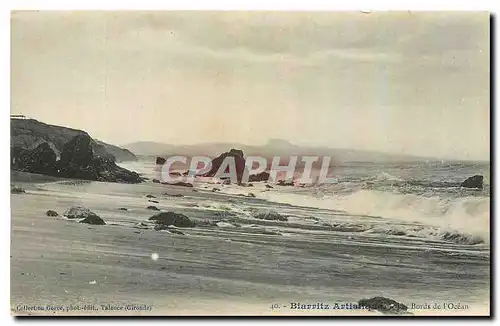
(29, 133)
(274, 147)
(149, 148)
(280, 143)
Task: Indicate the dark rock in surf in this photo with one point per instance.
(239, 161)
(123, 209)
(156, 181)
(150, 196)
(171, 218)
(264, 176)
(384, 305)
(251, 195)
(78, 212)
(154, 201)
(108, 171)
(153, 208)
(17, 190)
(269, 187)
(51, 213)
(160, 160)
(475, 181)
(93, 219)
(85, 214)
(285, 183)
(270, 216)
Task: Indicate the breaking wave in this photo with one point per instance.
(463, 220)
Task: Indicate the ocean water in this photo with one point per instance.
(427, 194)
(420, 199)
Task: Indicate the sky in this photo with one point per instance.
(401, 82)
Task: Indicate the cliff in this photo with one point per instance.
(29, 134)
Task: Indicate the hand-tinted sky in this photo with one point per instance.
(403, 82)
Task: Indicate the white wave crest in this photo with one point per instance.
(468, 215)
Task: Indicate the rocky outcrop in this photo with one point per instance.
(77, 161)
(77, 152)
(285, 183)
(29, 133)
(78, 212)
(93, 219)
(51, 213)
(270, 216)
(81, 157)
(153, 208)
(475, 181)
(160, 160)
(17, 190)
(264, 176)
(239, 164)
(85, 214)
(171, 218)
(384, 305)
(41, 159)
(16, 153)
(108, 171)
